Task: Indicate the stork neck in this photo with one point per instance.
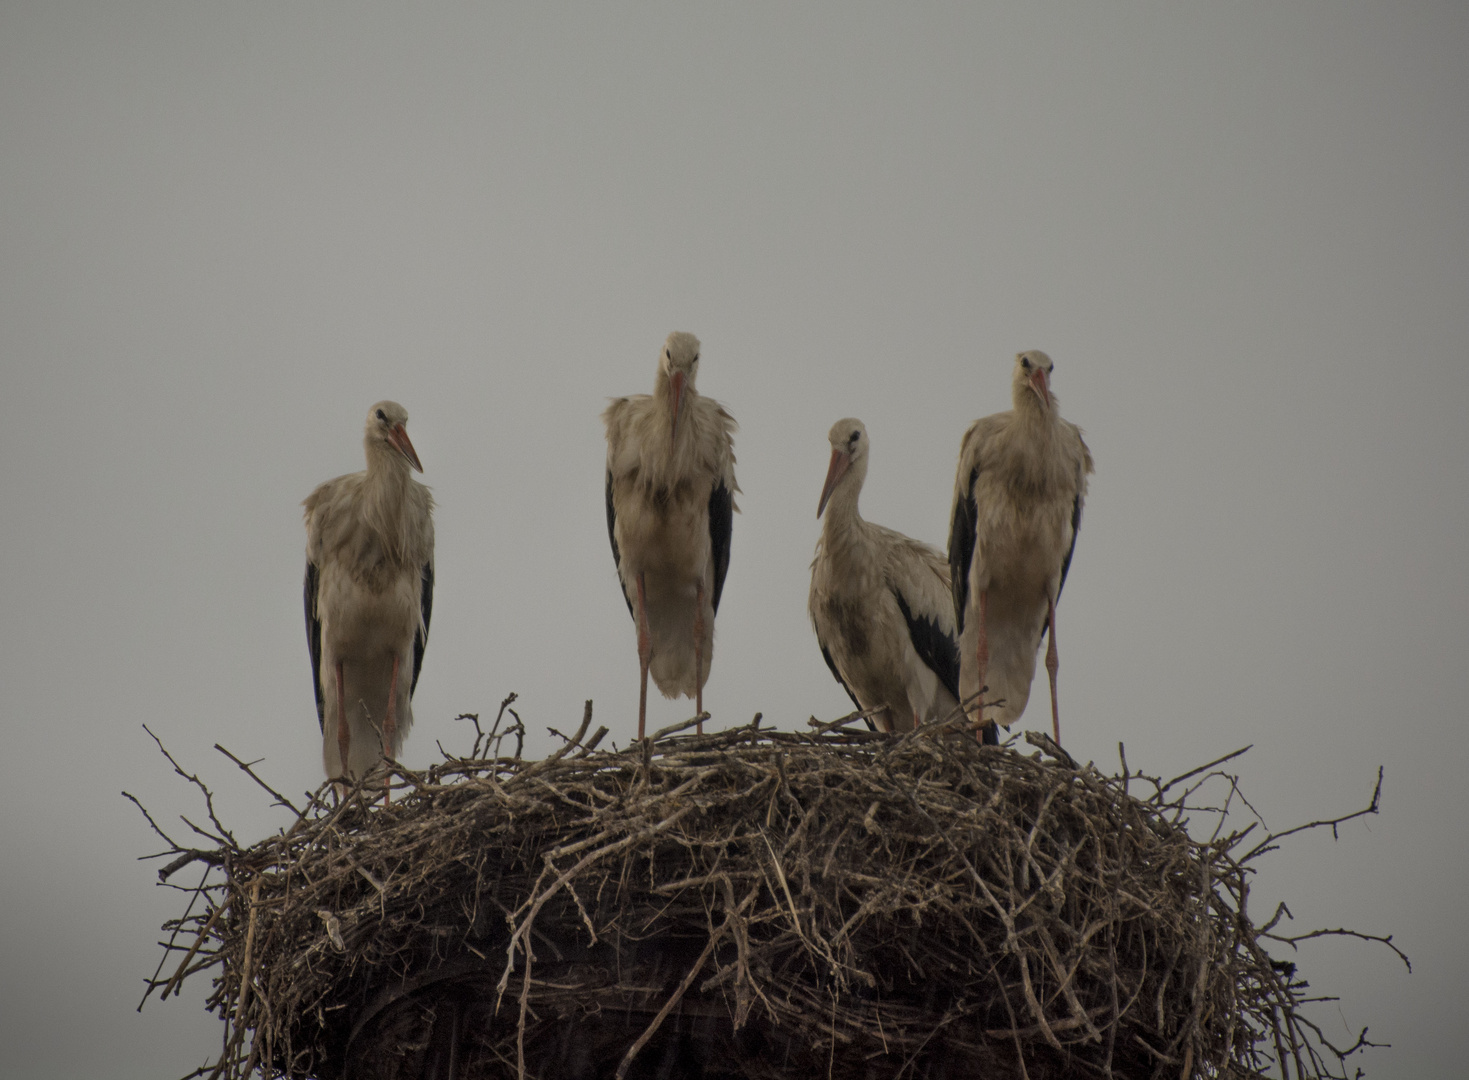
(1029, 409)
(663, 386)
(385, 465)
(842, 517)
(384, 497)
(663, 395)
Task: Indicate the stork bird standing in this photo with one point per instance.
(369, 594)
(670, 507)
(1018, 494)
(880, 602)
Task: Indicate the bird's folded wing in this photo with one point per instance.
(962, 524)
(420, 638)
(932, 639)
(837, 675)
(313, 640)
(721, 524)
(616, 553)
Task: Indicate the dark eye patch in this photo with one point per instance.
(382, 416)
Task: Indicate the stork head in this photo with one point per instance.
(387, 433)
(848, 454)
(1032, 382)
(679, 362)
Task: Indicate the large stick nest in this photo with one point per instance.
(752, 904)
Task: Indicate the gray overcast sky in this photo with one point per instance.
(225, 229)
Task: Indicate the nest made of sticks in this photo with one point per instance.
(748, 904)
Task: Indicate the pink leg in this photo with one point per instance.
(1051, 665)
(390, 725)
(344, 735)
(983, 657)
(645, 656)
(699, 657)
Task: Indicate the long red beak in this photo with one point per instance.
(399, 438)
(841, 461)
(677, 379)
(1040, 386)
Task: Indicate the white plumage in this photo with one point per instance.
(1018, 494)
(670, 504)
(369, 595)
(880, 602)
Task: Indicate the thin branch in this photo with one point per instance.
(245, 767)
(1293, 940)
(1202, 768)
(191, 778)
(1273, 839)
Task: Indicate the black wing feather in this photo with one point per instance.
(616, 554)
(934, 647)
(313, 641)
(420, 639)
(1075, 528)
(837, 675)
(961, 548)
(721, 524)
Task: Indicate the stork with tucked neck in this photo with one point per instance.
(670, 505)
(1018, 494)
(369, 597)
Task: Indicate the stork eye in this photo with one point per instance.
(853, 437)
(1025, 363)
(668, 353)
(382, 416)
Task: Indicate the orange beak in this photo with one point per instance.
(1040, 386)
(841, 461)
(677, 379)
(399, 438)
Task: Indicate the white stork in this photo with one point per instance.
(880, 603)
(670, 507)
(1018, 494)
(369, 594)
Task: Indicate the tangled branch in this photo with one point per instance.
(753, 903)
